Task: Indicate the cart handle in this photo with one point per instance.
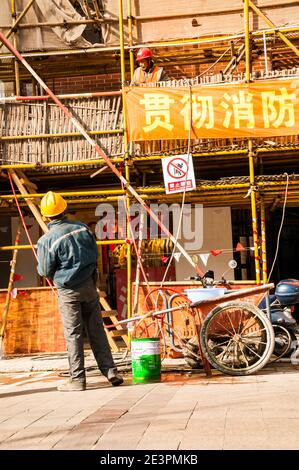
(233, 295)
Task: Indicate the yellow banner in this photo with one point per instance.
(260, 109)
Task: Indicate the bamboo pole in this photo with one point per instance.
(9, 289)
(250, 152)
(59, 135)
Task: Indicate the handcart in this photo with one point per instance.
(234, 335)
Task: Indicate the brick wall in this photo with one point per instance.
(112, 81)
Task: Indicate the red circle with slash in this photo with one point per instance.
(173, 164)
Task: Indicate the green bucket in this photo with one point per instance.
(146, 359)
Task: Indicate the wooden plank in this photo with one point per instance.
(121, 332)
(29, 202)
(110, 333)
(109, 313)
(34, 324)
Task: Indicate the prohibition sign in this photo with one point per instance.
(177, 168)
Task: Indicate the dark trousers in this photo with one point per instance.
(80, 308)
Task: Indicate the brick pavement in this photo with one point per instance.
(184, 411)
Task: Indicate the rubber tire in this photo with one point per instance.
(293, 337)
(268, 349)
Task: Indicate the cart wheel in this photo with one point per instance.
(237, 338)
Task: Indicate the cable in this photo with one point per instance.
(281, 224)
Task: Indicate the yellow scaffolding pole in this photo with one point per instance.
(242, 153)
(267, 186)
(202, 41)
(130, 36)
(126, 159)
(20, 17)
(16, 63)
(263, 241)
(29, 247)
(250, 152)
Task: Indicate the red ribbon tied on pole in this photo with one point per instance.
(240, 247)
(216, 252)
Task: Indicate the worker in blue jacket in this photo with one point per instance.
(67, 254)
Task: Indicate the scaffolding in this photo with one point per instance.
(233, 49)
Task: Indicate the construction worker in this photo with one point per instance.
(67, 254)
(147, 72)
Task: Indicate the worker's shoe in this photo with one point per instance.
(114, 377)
(72, 385)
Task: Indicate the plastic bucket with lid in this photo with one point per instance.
(146, 359)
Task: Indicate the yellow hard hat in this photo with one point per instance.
(52, 204)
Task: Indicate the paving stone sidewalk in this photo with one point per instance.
(184, 411)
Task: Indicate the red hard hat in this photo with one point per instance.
(144, 53)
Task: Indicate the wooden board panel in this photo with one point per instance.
(34, 324)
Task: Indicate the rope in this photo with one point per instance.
(25, 227)
(184, 193)
(281, 224)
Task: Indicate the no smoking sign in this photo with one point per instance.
(178, 173)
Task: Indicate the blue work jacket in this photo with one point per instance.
(67, 254)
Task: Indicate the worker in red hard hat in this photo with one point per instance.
(147, 72)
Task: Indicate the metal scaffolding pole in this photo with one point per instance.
(130, 34)
(20, 17)
(263, 242)
(126, 158)
(16, 63)
(250, 152)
